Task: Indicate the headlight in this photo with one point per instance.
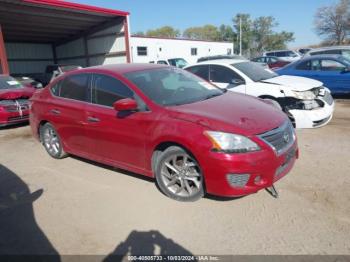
(231, 143)
(305, 95)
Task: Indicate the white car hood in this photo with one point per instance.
(295, 83)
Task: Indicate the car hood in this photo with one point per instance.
(295, 83)
(12, 94)
(231, 112)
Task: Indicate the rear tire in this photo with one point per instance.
(51, 141)
(179, 175)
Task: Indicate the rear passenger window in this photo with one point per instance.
(201, 71)
(270, 54)
(304, 66)
(109, 90)
(75, 87)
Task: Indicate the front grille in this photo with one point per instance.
(281, 138)
(15, 105)
(328, 98)
(238, 180)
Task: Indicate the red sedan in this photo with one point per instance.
(166, 123)
(273, 62)
(14, 103)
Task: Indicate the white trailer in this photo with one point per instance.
(147, 49)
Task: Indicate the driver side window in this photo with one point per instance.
(221, 74)
(108, 90)
(331, 65)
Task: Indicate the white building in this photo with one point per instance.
(146, 49)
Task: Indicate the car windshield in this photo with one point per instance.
(172, 86)
(255, 71)
(178, 62)
(8, 82)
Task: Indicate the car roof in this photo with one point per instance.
(123, 68)
(281, 50)
(330, 48)
(223, 61)
(330, 56)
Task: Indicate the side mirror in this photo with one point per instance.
(237, 82)
(126, 104)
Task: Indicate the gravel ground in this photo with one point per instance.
(79, 207)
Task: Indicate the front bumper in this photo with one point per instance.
(264, 168)
(12, 118)
(316, 117)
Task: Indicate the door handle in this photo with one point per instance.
(55, 111)
(93, 119)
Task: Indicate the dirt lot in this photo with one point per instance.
(83, 208)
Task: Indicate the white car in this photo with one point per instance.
(331, 50)
(307, 102)
(287, 55)
(177, 62)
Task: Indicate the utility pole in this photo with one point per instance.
(240, 35)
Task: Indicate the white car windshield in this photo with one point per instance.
(255, 71)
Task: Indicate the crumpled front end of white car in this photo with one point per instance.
(311, 109)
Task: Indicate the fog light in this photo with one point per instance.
(238, 180)
(257, 180)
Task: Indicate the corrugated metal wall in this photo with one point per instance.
(28, 58)
(104, 47)
(107, 46)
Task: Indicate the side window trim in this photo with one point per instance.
(61, 82)
(142, 105)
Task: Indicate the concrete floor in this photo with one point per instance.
(77, 207)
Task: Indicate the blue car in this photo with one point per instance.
(332, 70)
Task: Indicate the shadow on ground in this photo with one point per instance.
(146, 244)
(19, 232)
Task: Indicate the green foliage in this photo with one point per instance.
(165, 31)
(258, 35)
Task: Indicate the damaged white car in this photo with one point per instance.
(307, 102)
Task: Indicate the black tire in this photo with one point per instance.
(56, 151)
(188, 178)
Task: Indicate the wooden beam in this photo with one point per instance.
(3, 57)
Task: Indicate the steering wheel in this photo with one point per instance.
(176, 92)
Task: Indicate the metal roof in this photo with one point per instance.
(51, 21)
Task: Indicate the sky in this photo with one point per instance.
(292, 15)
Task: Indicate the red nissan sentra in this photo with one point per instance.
(166, 123)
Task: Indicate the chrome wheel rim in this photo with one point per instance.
(51, 141)
(181, 175)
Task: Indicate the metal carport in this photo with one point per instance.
(35, 33)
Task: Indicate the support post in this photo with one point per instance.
(4, 67)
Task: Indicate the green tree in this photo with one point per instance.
(207, 32)
(226, 33)
(258, 34)
(247, 32)
(165, 31)
(333, 22)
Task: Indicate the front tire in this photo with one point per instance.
(51, 141)
(179, 175)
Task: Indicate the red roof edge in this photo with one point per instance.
(81, 7)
